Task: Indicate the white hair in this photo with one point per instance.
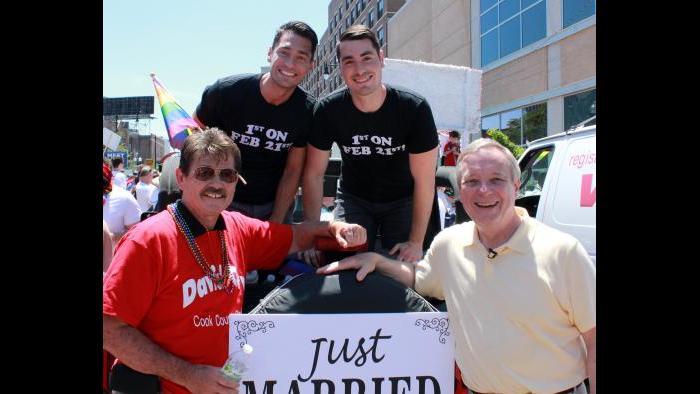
(482, 143)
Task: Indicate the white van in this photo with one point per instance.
(558, 183)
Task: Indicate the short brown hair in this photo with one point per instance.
(355, 33)
(211, 142)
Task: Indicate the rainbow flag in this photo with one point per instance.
(178, 122)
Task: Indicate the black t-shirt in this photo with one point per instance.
(375, 146)
(263, 132)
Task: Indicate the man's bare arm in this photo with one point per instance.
(423, 171)
(139, 353)
(314, 170)
(347, 234)
(289, 183)
(365, 263)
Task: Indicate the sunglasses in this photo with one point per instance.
(228, 175)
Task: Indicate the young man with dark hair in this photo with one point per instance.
(119, 178)
(185, 266)
(269, 116)
(388, 143)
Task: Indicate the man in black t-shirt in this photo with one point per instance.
(388, 143)
(269, 117)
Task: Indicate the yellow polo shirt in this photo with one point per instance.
(516, 318)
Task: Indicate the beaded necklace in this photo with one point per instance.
(219, 279)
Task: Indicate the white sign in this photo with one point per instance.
(345, 353)
(110, 139)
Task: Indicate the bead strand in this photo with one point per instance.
(222, 279)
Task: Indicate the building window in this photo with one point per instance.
(380, 36)
(510, 125)
(347, 4)
(488, 123)
(358, 7)
(578, 107)
(534, 26)
(509, 25)
(348, 22)
(534, 122)
(576, 10)
(370, 19)
(521, 125)
(380, 8)
(353, 14)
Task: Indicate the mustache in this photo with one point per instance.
(214, 190)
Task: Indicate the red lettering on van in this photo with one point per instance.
(587, 191)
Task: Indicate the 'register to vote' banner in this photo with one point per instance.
(345, 353)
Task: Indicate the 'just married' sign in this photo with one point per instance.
(345, 353)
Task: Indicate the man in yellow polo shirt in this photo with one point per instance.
(520, 295)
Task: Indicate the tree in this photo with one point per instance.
(503, 139)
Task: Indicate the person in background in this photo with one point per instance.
(451, 150)
(119, 208)
(146, 192)
(119, 178)
(521, 296)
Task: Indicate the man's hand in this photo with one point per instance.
(348, 234)
(364, 262)
(205, 379)
(314, 257)
(408, 251)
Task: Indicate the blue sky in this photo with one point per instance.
(190, 44)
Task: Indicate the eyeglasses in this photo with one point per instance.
(228, 175)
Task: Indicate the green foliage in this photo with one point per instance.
(122, 147)
(503, 139)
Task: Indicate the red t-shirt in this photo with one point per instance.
(155, 285)
(450, 158)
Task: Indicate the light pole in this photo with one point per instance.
(327, 72)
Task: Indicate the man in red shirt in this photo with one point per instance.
(451, 150)
(176, 276)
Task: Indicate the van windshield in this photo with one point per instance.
(534, 171)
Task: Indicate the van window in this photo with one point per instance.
(533, 168)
